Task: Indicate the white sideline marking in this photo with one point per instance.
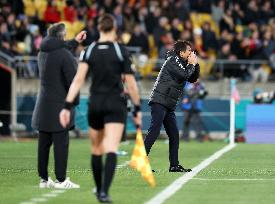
(235, 179)
(38, 199)
(49, 195)
(27, 203)
(44, 197)
(55, 193)
(122, 165)
(178, 183)
(58, 191)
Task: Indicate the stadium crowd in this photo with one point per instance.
(219, 29)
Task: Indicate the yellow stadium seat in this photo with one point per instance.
(40, 6)
(29, 8)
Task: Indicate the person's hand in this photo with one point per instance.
(192, 58)
(80, 37)
(64, 117)
(185, 100)
(137, 119)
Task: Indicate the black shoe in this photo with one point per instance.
(153, 171)
(104, 198)
(178, 168)
(94, 191)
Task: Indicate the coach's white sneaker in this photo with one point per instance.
(46, 184)
(67, 184)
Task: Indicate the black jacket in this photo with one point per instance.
(171, 79)
(57, 68)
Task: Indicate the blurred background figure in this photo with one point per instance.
(192, 104)
(263, 97)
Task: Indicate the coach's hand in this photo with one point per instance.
(192, 58)
(80, 37)
(64, 117)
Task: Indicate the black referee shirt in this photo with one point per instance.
(107, 61)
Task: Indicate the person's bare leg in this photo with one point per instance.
(96, 137)
(112, 136)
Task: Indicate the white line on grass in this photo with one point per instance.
(44, 197)
(235, 179)
(178, 183)
(122, 165)
(55, 193)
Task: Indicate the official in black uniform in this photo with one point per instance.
(57, 67)
(105, 61)
(180, 66)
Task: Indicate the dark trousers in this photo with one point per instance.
(197, 124)
(61, 148)
(161, 115)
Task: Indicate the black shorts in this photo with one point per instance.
(106, 109)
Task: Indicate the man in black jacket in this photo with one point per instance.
(180, 66)
(57, 68)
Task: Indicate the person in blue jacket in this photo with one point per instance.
(192, 104)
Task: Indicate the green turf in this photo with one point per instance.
(243, 162)
(19, 181)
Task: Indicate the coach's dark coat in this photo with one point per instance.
(57, 68)
(171, 79)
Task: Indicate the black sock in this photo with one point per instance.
(96, 166)
(109, 170)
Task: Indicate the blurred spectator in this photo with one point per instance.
(168, 43)
(252, 13)
(92, 32)
(139, 39)
(248, 25)
(218, 11)
(202, 6)
(160, 31)
(182, 10)
(176, 29)
(228, 70)
(51, 14)
(209, 38)
(129, 19)
(260, 73)
(70, 11)
(119, 17)
(266, 12)
(227, 21)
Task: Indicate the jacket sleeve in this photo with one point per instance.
(196, 74)
(179, 71)
(71, 44)
(69, 70)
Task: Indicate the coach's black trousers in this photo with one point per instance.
(61, 148)
(161, 115)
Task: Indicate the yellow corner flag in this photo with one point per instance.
(139, 160)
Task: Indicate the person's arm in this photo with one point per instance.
(77, 83)
(69, 68)
(133, 92)
(79, 38)
(196, 74)
(131, 85)
(179, 71)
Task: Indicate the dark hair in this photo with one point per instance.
(181, 45)
(57, 30)
(106, 23)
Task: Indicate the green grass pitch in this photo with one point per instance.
(245, 174)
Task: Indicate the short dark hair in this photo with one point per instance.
(106, 23)
(181, 45)
(57, 30)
